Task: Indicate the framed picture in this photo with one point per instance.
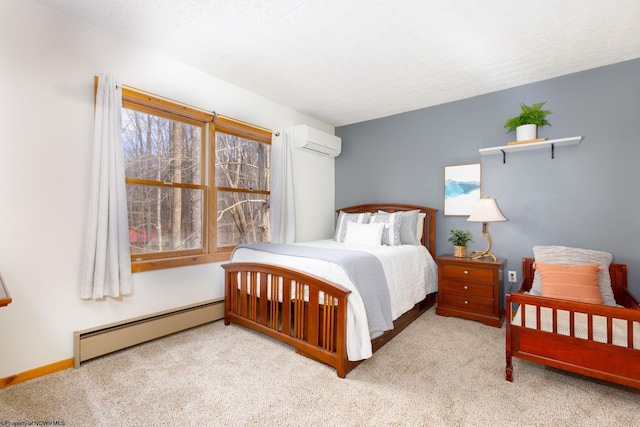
(462, 188)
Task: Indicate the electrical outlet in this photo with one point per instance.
(513, 277)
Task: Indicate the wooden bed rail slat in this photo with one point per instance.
(243, 294)
(327, 323)
(286, 302)
(314, 317)
(263, 309)
(298, 310)
(253, 309)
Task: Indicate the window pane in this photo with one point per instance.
(242, 218)
(163, 219)
(241, 162)
(160, 149)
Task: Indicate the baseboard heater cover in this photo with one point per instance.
(95, 342)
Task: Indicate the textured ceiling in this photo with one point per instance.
(347, 61)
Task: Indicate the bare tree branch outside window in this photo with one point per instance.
(242, 181)
(164, 195)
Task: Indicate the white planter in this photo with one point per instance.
(526, 132)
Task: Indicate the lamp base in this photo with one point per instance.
(483, 254)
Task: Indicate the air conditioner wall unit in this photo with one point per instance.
(317, 141)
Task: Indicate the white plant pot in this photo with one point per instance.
(526, 132)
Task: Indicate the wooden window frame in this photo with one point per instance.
(146, 103)
(243, 130)
(210, 253)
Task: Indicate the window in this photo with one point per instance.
(242, 185)
(195, 188)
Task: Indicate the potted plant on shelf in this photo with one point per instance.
(460, 238)
(527, 123)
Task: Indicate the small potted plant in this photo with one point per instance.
(460, 238)
(527, 123)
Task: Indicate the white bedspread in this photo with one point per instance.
(619, 326)
(410, 271)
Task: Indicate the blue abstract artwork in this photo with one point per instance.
(462, 188)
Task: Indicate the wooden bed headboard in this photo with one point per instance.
(428, 231)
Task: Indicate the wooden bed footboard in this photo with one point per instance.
(299, 309)
(588, 356)
(309, 313)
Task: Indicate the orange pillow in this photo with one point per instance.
(570, 282)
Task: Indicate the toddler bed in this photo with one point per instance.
(330, 311)
(601, 340)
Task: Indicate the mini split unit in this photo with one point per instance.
(316, 141)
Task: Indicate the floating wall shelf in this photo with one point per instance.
(552, 143)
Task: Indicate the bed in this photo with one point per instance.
(596, 340)
(313, 306)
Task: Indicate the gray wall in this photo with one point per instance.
(588, 196)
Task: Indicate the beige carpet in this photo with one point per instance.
(438, 372)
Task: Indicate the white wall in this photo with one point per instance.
(314, 190)
(46, 116)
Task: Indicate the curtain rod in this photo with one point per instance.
(135, 89)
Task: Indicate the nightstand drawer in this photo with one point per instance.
(478, 305)
(452, 271)
(467, 289)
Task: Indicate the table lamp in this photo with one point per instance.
(485, 211)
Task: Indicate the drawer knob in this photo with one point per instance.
(466, 287)
(466, 302)
(466, 272)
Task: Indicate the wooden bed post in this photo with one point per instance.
(509, 366)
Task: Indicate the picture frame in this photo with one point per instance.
(462, 188)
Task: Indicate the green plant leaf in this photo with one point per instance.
(460, 237)
(529, 114)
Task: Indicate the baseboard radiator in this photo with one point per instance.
(95, 342)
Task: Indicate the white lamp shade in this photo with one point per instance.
(486, 210)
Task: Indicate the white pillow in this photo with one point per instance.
(344, 218)
(364, 234)
(572, 256)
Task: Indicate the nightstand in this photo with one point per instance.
(470, 288)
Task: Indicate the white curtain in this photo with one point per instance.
(106, 269)
(283, 226)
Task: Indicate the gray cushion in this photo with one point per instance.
(409, 227)
(573, 256)
(344, 218)
(391, 231)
